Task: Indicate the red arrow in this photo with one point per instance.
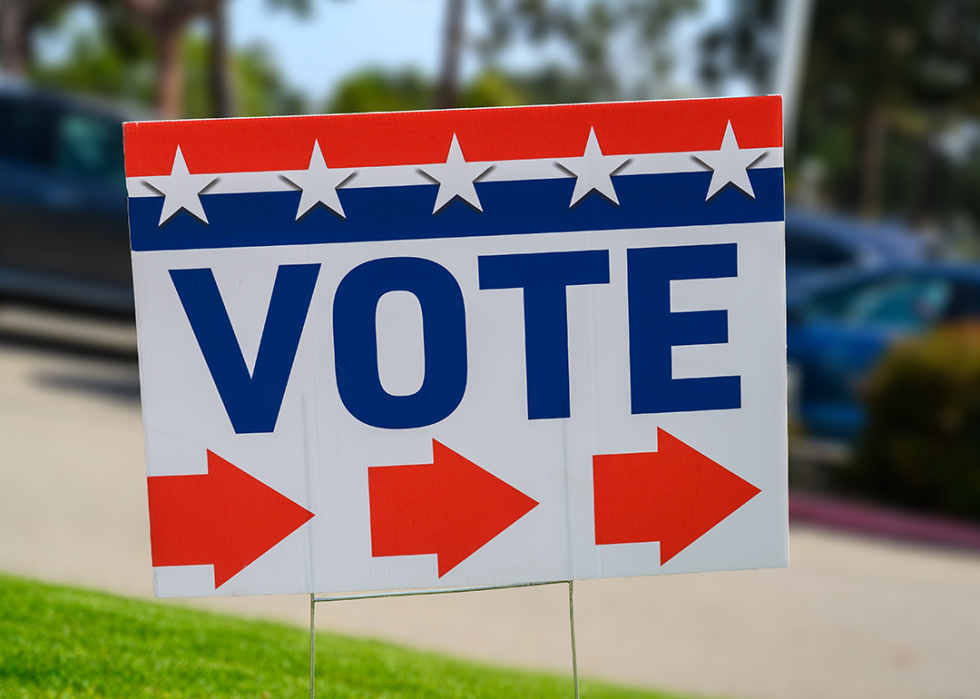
(674, 495)
(450, 507)
(225, 518)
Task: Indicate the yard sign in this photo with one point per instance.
(461, 348)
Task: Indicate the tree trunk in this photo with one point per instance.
(452, 51)
(219, 75)
(873, 132)
(926, 185)
(13, 47)
(170, 83)
(165, 22)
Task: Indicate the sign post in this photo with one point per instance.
(459, 349)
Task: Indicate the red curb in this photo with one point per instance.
(875, 520)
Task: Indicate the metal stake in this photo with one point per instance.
(312, 643)
(438, 591)
(571, 620)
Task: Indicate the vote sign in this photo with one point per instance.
(477, 347)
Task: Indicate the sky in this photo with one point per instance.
(341, 37)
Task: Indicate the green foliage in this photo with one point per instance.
(66, 643)
(493, 89)
(259, 88)
(91, 68)
(861, 52)
(893, 76)
(746, 45)
(117, 63)
(595, 36)
(554, 86)
(921, 446)
(883, 82)
(378, 91)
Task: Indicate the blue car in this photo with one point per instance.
(839, 328)
(64, 237)
(819, 242)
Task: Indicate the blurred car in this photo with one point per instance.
(839, 329)
(64, 236)
(818, 243)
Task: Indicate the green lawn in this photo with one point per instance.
(64, 642)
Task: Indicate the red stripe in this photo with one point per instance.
(408, 138)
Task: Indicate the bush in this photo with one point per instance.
(921, 444)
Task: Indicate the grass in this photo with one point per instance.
(63, 642)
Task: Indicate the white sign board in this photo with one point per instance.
(478, 347)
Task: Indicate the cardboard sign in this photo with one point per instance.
(478, 347)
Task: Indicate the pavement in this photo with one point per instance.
(853, 617)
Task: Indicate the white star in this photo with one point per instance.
(180, 190)
(730, 165)
(319, 184)
(593, 171)
(456, 178)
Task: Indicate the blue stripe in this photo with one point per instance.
(405, 213)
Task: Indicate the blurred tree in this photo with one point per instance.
(18, 19)
(219, 79)
(165, 20)
(221, 85)
(538, 20)
(592, 33)
(261, 90)
(746, 45)
(123, 69)
(589, 32)
(553, 85)
(157, 31)
(874, 67)
(379, 91)
(94, 70)
(452, 50)
(493, 89)
(904, 65)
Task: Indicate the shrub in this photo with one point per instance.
(921, 444)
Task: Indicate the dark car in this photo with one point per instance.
(64, 238)
(839, 329)
(817, 243)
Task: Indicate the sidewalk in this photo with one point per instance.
(852, 618)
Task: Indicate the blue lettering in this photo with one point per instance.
(544, 277)
(654, 330)
(251, 401)
(356, 342)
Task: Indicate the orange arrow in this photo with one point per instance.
(450, 507)
(225, 518)
(674, 495)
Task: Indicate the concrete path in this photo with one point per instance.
(850, 619)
